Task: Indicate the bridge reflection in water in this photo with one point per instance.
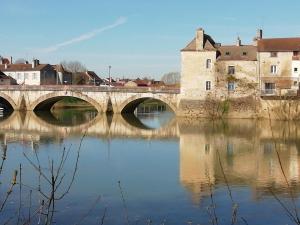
(246, 147)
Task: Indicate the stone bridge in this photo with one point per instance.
(119, 100)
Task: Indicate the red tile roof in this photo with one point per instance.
(208, 44)
(22, 67)
(234, 52)
(279, 45)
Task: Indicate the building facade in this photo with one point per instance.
(267, 67)
(279, 66)
(30, 74)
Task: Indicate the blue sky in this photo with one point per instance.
(136, 37)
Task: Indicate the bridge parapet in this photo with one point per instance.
(84, 88)
(31, 97)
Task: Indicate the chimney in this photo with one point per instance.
(238, 41)
(11, 60)
(259, 34)
(35, 62)
(199, 39)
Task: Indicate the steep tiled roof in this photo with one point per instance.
(209, 44)
(93, 75)
(279, 45)
(3, 76)
(235, 52)
(22, 67)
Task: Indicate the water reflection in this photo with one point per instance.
(248, 150)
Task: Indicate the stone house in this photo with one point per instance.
(63, 76)
(131, 83)
(30, 74)
(210, 70)
(267, 67)
(279, 66)
(87, 78)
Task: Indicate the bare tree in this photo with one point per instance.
(73, 66)
(171, 78)
(20, 61)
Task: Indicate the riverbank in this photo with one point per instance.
(71, 103)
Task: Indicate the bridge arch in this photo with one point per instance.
(8, 101)
(130, 104)
(46, 102)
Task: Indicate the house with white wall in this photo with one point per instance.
(30, 74)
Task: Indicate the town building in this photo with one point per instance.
(30, 74)
(266, 67)
(63, 76)
(87, 78)
(279, 66)
(6, 80)
(210, 70)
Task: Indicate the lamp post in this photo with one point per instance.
(109, 68)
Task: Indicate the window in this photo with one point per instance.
(274, 69)
(244, 53)
(295, 83)
(207, 85)
(270, 88)
(230, 86)
(231, 70)
(273, 54)
(295, 69)
(227, 53)
(34, 76)
(230, 149)
(207, 148)
(26, 76)
(18, 76)
(208, 63)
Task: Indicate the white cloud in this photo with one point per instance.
(84, 37)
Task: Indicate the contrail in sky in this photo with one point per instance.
(86, 36)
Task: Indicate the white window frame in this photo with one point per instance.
(208, 85)
(274, 69)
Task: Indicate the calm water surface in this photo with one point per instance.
(154, 167)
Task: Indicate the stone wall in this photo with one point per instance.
(194, 74)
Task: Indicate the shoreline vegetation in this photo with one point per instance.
(71, 102)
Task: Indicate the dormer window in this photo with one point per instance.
(273, 54)
(244, 53)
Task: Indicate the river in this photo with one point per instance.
(149, 169)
